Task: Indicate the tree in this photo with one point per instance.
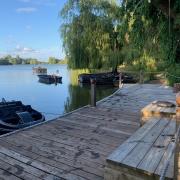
(90, 38)
(151, 35)
(100, 33)
(33, 61)
(52, 60)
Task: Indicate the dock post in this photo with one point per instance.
(93, 92)
(120, 80)
(141, 77)
(177, 149)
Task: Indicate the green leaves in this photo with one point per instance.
(88, 33)
(103, 33)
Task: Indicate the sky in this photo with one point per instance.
(30, 28)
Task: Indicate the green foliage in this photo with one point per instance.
(52, 60)
(9, 60)
(137, 33)
(32, 61)
(147, 27)
(63, 61)
(4, 62)
(90, 39)
(173, 74)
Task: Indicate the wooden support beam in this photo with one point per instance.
(93, 92)
(141, 79)
(120, 80)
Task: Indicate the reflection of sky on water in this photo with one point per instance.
(19, 83)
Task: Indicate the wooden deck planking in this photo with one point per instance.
(144, 154)
(75, 146)
(134, 158)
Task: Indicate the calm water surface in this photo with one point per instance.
(18, 82)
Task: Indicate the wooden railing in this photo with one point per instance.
(142, 76)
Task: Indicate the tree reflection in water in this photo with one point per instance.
(80, 95)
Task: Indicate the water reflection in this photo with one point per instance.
(19, 83)
(74, 75)
(80, 95)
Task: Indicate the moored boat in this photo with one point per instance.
(39, 70)
(49, 79)
(108, 78)
(101, 78)
(14, 115)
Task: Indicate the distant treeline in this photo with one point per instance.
(9, 60)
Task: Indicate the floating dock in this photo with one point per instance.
(75, 146)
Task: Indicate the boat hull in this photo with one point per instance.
(11, 118)
(105, 78)
(50, 79)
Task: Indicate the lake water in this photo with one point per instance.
(18, 82)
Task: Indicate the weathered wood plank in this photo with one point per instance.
(7, 175)
(63, 162)
(66, 164)
(47, 158)
(160, 168)
(34, 171)
(76, 146)
(154, 155)
(153, 136)
(17, 171)
(80, 131)
(110, 122)
(39, 165)
(121, 152)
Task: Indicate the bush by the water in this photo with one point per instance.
(173, 74)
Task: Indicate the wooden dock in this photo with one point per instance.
(76, 145)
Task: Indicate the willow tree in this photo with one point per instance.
(89, 33)
(149, 31)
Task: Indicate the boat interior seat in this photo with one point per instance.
(25, 117)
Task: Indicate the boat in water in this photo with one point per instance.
(101, 78)
(39, 70)
(50, 79)
(14, 115)
(108, 78)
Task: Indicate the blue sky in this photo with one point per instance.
(30, 28)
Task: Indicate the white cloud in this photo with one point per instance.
(41, 54)
(26, 10)
(24, 50)
(29, 52)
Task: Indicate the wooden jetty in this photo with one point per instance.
(76, 146)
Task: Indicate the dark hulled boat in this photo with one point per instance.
(108, 78)
(101, 78)
(49, 79)
(39, 70)
(15, 115)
